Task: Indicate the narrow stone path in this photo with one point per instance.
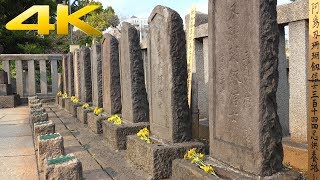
(17, 155)
(98, 160)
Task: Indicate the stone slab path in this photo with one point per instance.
(98, 160)
(17, 155)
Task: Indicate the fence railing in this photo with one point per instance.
(29, 73)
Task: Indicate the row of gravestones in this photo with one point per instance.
(49, 146)
(245, 133)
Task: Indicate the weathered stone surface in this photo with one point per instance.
(3, 77)
(5, 89)
(33, 101)
(70, 75)
(67, 103)
(135, 107)
(95, 122)
(242, 86)
(71, 169)
(73, 108)
(49, 148)
(35, 105)
(62, 102)
(77, 75)
(65, 73)
(60, 82)
(292, 12)
(42, 128)
(38, 117)
(96, 75)
(10, 101)
(184, 170)
(156, 159)
(169, 116)
(82, 114)
(116, 135)
(37, 110)
(57, 100)
(85, 75)
(111, 75)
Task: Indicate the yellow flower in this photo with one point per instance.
(97, 111)
(59, 93)
(201, 156)
(73, 98)
(85, 106)
(76, 101)
(207, 169)
(118, 121)
(144, 135)
(191, 153)
(185, 156)
(65, 95)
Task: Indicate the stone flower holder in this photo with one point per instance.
(67, 102)
(63, 167)
(156, 158)
(95, 122)
(116, 135)
(62, 102)
(42, 128)
(57, 100)
(73, 108)
(49, 146)
(82, 114)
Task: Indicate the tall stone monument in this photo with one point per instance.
(96, 75)
(7, 98)
(70, 74)
(85, 75)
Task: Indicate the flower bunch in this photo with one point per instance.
(116, 119)
(97, 111)
(144, 135)
(59, 93)
(198, 159)
(65, 95)
(74, 99)
(85, 106)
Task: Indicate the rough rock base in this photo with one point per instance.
(73, 108)
(9, 101)
(95, 122)
(71, 169)
(49, 148)
(116, 135)
(34, 118)
(82, 114)
(43, 128)
(156, 159)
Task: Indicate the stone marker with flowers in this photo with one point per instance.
(59, 94)
(95, 120)
(74, 104)
(82, 112)
(62, 100)
(68, 102)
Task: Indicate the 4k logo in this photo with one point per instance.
(63, 19)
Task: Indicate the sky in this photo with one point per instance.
(143, 8)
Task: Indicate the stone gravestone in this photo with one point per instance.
(65, 73)
(96, 75)
(245, 132)
(7, 98)
(133, 92)
(169, 116)
(169, 112)
(111, 75)
(77, 76)
(70, 75)
(85, 75)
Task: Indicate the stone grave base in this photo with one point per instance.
(73, 108)
(42, 128)
(57, 100)
(67, 104)
(156, 159)
(9, 101)
(95, 122)
(62, 102)
(116, 135)
(82, 114)
(49, 146)
(183, 169)
(64, 167)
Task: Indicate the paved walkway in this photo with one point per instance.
(17, 155)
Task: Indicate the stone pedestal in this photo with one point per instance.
(62, 102)
(116, 135)
(156, 159)
(42, 128)
(49, 146)
(57, 100)
(38, 117)
(95, 122)
(9, 101)
(82, 114)
(37, 110)
(73, 108)
(35, 105)
(67, 104)
(64, 167)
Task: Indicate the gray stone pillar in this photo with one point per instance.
(77, 75)
(70, 74)
(245, 132)
(96, 75)
(169, 111)
(283, 85)
(65, 73)
(85, 74)
(111, 75)
(298, 63)
(134, 99)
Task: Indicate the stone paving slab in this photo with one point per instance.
(16, 146)
(18, 167)
(17, 130)
(93, 150)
